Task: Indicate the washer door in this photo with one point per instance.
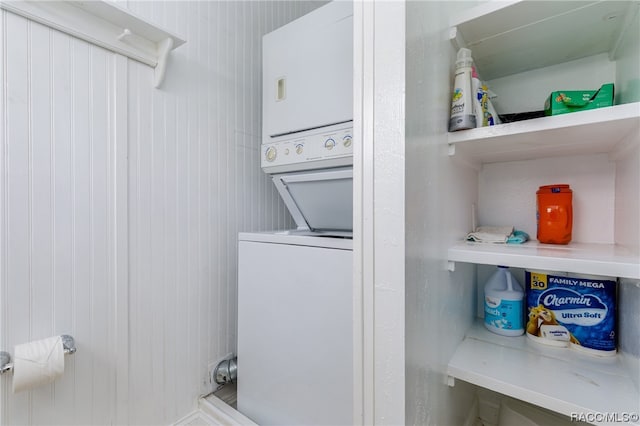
(295, 337)
(321, 200)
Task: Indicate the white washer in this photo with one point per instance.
(295, 293)
(295, 344)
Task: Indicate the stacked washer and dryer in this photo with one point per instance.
(295, 349)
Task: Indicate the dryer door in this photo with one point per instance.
(321, 200)
(308, 72)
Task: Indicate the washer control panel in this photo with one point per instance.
(309, 151)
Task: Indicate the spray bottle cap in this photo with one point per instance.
(464, 58)
(464, 53)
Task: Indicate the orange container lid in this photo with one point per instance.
(562, 187)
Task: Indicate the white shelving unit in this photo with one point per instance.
(507, 38)
(588, 132)
(595, 259)
(560, 379)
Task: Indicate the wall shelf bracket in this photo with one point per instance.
(104, 24)
(164, 48)
(451, 381)
(451, 266)
(456, 38)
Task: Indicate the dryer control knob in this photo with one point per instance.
(299, 148)
(270, 154)
(329, 143)
(346, 141)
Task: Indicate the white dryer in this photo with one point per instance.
(307, 101)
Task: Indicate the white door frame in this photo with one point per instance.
(379, 102)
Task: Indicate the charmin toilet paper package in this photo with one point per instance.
(572, 310)
(37, 363)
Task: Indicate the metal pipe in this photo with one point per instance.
(226, 371)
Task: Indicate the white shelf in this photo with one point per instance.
(510, 37)
(104, 24)
(559, 379)
(507, 38)
(596, 259)
(595, 131)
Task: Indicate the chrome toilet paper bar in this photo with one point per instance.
(68, 345)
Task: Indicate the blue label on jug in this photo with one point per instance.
(503, 314)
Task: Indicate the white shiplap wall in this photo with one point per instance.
(195, 181)
(439, 304)
(58, 229)
(137, 260)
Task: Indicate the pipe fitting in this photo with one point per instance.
(226, 371)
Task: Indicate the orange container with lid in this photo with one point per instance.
(554, 214)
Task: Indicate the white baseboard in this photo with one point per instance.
(196, 418)
(222, 413)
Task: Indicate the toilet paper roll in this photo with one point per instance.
(37, 363)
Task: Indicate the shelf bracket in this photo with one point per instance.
(456, 38)
(164, 47)
(451, 266)
(451, 381)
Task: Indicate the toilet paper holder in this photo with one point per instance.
(68, 345)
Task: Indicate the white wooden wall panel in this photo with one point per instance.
(137, 261)
(507, 194)
(433, 220)
(58, 198)
(195, 182)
